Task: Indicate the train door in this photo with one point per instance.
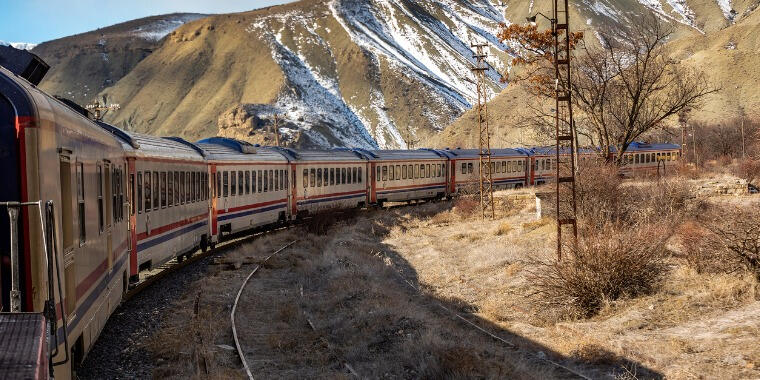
(216, 193)
(373, 176)
(453, 177)
(292, 203)
(109, 184)
(132, 225)
(9, 192)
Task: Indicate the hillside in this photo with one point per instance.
(717, 37)
(361, 73)
(85, 64)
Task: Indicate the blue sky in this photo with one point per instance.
(37, 21)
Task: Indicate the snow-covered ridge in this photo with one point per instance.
(158, 29)
(19, 45)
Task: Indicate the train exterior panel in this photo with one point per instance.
(169, 186)
(408, 175)
(251, 186)
(327, 180)
(57, 152)
(509, 169)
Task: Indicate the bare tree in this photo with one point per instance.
(622, 88)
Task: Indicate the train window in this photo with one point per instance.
(504, 166)
(265, 180)
(652, 159)
(312, 177)
(148, 192)
(260, 181)
(403, 172)
(332, 176)
(284, 180)
(391, 173)
(187, 188)
(277, 181)
(225, 184)
(469, 167)
(181, 188)
(240, 183)
(174, 187)
(464, 168)
(360, 175)
(354, 176)
(385, 173)
(326, 174)
(194, 186)
(170, 189)
(398, 172)
(319, 177)
(636, 158)
(155, 191)
(520, 166)
(253, 182)
(247, 182)
(233, 183)
(163, 189)
(271, 180)
(306, 178)
(138, 200)
(218, 185)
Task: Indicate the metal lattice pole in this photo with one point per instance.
(567, 227)
(486, 177)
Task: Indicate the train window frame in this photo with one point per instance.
(359, 178)
(240, 183)
(469, 167)
(305, 178)
(385, 173)
(332, 176)
(464, 168)
(247, 182)
(312, 177)
(398, 172)
(403, 172)
(260, 182)
(271, 179)
(343, 176)
(391, 173)
(284, 180)
(148, 192)
(265, 179)
(319, 177)
(101, 217)
(354, 175)
(253, 181)
(504, 166)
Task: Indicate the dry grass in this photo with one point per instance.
(504, 229)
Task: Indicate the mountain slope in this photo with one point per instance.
(85, 64)
(343, 73)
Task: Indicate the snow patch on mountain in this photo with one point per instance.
(727, 9)
(159, 29)
(19, 45)
(687, 16)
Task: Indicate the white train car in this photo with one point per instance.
(251, 186)
(403, 175)
(330, 179)
(169, 184)
(52, 152)
(646, 159)
(509, 169)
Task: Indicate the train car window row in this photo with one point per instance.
(500, 167)
(162, 190)
(409, 171)
(243, 182)
(321, 177)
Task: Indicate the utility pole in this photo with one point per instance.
(486, 177)
(565, 149)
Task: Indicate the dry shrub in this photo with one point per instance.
(748, 169)
(443, 218)
(503, 229)
(530, 226)
(467, 206)
(739, 235)
(593, 353)
(607, 265)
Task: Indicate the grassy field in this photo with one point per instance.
(339, 304)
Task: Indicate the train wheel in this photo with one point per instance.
(180, 258)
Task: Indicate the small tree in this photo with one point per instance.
(622, 88)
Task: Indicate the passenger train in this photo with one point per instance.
(115, 202)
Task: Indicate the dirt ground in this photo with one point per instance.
(339, 305)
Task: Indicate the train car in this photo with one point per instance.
(251, 186)
(330, 179)
(643, 158)
(509, 169)
(403, 175)
(168, 186)
(54, 154)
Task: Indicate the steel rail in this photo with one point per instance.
(234, 308)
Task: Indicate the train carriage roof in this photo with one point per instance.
(639, 146)
(143, 145)
(475, 153)
(337, 155)
(406, 155)
(226, 149)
